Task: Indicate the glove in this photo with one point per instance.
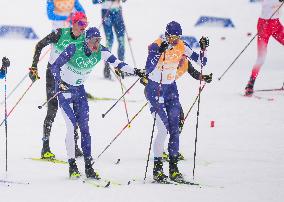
(181, 120)
(281, 0)
(33, 74)
(5, 62)
(62, 86)
(164, 46)
(207, 78)
(119, 73)
(203, 43)
(124, 1)
(144, 81)
(139, 72)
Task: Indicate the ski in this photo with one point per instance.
(182, 181)
(259, 97)
(272, 89)
(97, 183)
(53, 160)
(93, 98)
(12, 182)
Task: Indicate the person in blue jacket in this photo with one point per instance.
(112, 19)
(60, 11)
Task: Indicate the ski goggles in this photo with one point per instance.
(172, 38)
(82, 23)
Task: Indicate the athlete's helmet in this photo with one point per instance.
(173, 28)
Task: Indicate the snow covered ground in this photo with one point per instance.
(241, 158)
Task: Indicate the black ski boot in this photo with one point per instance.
(90, 173)
(158, 174)
(45, 152)
(174, 173)
(78, 152)
(107, 74)
(73, 169)
(249, 87)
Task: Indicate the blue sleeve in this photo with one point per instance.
(62, 59)
(153, 57)
(79, 7)
(97, 1)
(2, 74)
(50, 12)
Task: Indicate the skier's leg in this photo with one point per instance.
(52, 107)
(82, 111)
(279, 33)
(264, 33)
(107, 24)
(119, 28)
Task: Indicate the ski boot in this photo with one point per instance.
(107, 74)
(166, 157)
(73, 169)
(89, 170)
(174, 173)
(78, 152)
(45, 152)
(249, 87)
(158, 174)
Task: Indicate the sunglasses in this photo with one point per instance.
(173, 37)
(82, 23)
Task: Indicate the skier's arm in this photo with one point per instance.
(62, 59)
(192, 55)
(78, 6)
(193, 72)
(50, 12)
(53, 37)
(107, 56)
(153, 57)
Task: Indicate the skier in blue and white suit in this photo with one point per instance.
(59, 11)
(112, 19)
(70, 70)
(161, 91)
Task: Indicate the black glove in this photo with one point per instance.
(203, 43)
(144, 81)
(33, 74)
(181, 120)
(207, 78)
(62, 86)
(5, 62)
(119, 73)
(164, 46)
(281, 0)
(124, 1)
(139, 72)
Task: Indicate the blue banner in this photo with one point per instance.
(8, 31)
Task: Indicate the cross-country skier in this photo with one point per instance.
(5, 65)
(161, 91)
(184, 66)
(267, 26)
(59, 12)
(112, 19)
(70, 70)
(59, 39)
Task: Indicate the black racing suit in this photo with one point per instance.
(52, 105)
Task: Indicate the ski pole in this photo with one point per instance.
(125, 106)
(122, 130)
(246, 46)
(103, 115)
(46, 102)
(193, 103)
(117, 77)
(17, 102)
(22, 80)
(6, 124)
(155, 118)
(197, 115)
